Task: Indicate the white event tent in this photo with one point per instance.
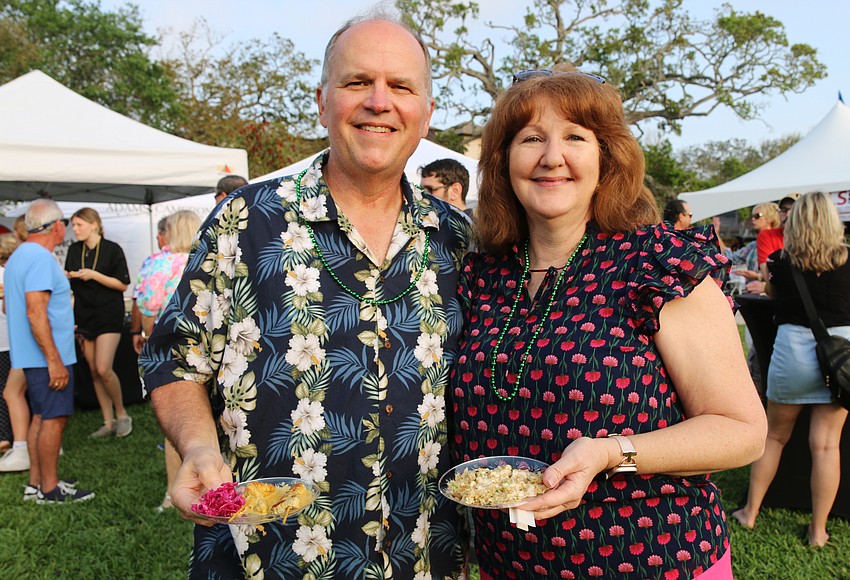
(59, 143)
(820, 161)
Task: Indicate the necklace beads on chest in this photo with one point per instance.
(536, 333)
(343, 285)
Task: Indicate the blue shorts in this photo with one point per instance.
(47, 402)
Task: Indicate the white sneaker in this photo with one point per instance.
(15, 460)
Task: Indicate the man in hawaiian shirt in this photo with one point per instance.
(312, 334)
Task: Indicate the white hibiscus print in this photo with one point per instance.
(308, 416)
(427, 284)
(420, 532)
(311, 466)
(286, 190)
(305, 351)
(311, 542)
(233, 366)
(303, 279)
(311, 177)
(240, 535)
(234, 422)
(428, 456)
(203, 307)
(428, 349)
(296, 236)
(425, 576)
(433, 409)
(245, 336)
(198, 358)
(220, 307)
(314, 208)
(229, 254)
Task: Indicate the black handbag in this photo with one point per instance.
(833, 352)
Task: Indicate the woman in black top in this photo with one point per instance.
(814, 244)
(98, 273)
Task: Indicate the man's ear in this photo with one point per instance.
(321, 104)
(455, 193)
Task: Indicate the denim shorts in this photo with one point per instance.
(47, 402)
(794, 376)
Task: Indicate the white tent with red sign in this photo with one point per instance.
(820, 161)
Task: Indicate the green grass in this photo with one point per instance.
(118, 534)
(115, 535)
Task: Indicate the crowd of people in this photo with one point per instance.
(365, 334)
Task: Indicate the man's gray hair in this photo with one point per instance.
(43, 211)
(376, 13)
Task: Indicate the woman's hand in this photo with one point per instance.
(83, 274)
(748, 274)
(570, 476)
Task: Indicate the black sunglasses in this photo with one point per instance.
(756, 216)
(524, 75)
(47, 225)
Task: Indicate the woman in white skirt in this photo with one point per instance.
(814, 244)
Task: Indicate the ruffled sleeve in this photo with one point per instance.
(672, 264)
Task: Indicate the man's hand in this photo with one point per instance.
(202, 469)
(58, 375)
(138, 343)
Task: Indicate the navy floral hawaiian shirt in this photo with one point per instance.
(306, 380)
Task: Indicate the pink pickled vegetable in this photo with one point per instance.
(223, 501)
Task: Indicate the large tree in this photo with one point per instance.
(667, 64)
(255, 95)
(104, 56)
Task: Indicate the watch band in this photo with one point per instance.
(628, 464)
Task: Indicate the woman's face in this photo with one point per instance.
(82, 229)
(554, 167)
(759, 219)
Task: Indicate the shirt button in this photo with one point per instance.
(388, 543)
(389, 475)
(389, 409)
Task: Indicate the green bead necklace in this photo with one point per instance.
(360, 297)
(537, 330)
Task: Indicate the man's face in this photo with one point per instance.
(685, 218)
(784, 210)
(376, 103)
(435, 187)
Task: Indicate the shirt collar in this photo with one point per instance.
(317, 204)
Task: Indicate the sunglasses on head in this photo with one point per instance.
(784, 209)
(47, 225)
(524, 75)
(756, 216)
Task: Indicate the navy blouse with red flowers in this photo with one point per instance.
(594, 370)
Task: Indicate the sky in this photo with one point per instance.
(820, 23)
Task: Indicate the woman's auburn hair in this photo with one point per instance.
(621, 202)
(814, 234)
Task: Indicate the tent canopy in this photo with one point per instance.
(60, 143)
(818, 162)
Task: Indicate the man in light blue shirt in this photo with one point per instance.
(41, 335)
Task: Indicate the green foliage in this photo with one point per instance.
(101, 55)
(667, 65)
(450, 140)
(254, 95)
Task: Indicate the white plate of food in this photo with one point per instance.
(258, 501)
(498, 482)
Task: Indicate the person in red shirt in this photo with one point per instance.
(769, 241)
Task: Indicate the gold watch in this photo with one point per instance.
(628, 464)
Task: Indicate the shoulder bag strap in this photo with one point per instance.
(815, 323)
